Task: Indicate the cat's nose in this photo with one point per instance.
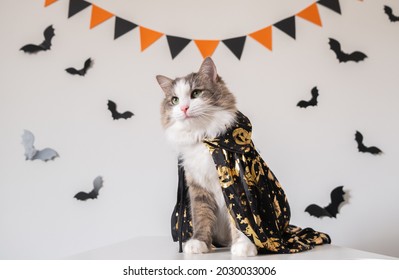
(184, 108)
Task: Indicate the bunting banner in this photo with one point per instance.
(236, 45)
(49, 2)
(98, 16)
(76, 7)
(206, 47)
(176, 44)
(287, 26)
(122, 27)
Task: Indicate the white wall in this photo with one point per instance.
(311, 151)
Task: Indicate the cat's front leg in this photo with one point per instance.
(242, 246)
(203, 211)
(195, 246)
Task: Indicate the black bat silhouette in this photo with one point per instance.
(44, 46)
(391, 16)
(97, 185)
(364, 149)
(344, 57)
(115, 114)
(81, 72)
(331, 210)
(312, 101)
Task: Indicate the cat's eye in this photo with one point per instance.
(175, 100)
(196, 93)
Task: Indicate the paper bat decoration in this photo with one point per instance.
(331, 210)
(30, 151)
(115, 114)
(81, 72)
(344, 57)
(364, 149)
(97, 185)
(44, 46)
(391, 16)
(312, 101)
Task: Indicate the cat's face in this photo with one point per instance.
(195, 99)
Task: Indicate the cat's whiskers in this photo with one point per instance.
(203, 118)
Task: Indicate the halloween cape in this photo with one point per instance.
(254, 197)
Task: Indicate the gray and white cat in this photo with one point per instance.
(196, 107)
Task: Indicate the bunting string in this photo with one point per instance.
(177, 44)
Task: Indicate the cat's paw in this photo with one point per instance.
(244, 249)
(195, 246)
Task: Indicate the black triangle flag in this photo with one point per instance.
(123, 26)
(287, 26)
(75, 6)
(331, 4)
(236, 45)
(176, 44)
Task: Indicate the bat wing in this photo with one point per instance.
(315, 94)
(48, 36)
(98, 183)
(27, 140)
(336, 47)
(317, 211)
(112, 109)
(356, 56)
(337, 197)
(312, 101)
(389, 12)
(359, 140)
(82, 196)
(127, 115)
(373, 150)
(344, 57)
(358, 137)
(31, 48)
(80, 72)
(49, 33)
(46, 154)
(303, 104)
(88, 64)
(115, 114)
(363, 148)
(72, 71)
(45, 45)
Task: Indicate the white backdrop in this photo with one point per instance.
(310, 150)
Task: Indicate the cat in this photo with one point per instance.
(196, 107)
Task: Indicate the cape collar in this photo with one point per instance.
(237, 137)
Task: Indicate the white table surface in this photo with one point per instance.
(163, 248)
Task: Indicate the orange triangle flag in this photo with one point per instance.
(148, 37)
(49, 2)
(263, 36)
(311, 14)
(98, 15)
(206, 47)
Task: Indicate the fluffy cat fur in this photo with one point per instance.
(196, 107)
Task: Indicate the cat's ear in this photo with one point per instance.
(165, 83)
(208, 68)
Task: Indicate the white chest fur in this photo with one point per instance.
(198, 162)
(186, 136)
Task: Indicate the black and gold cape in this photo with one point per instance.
(254, 197)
